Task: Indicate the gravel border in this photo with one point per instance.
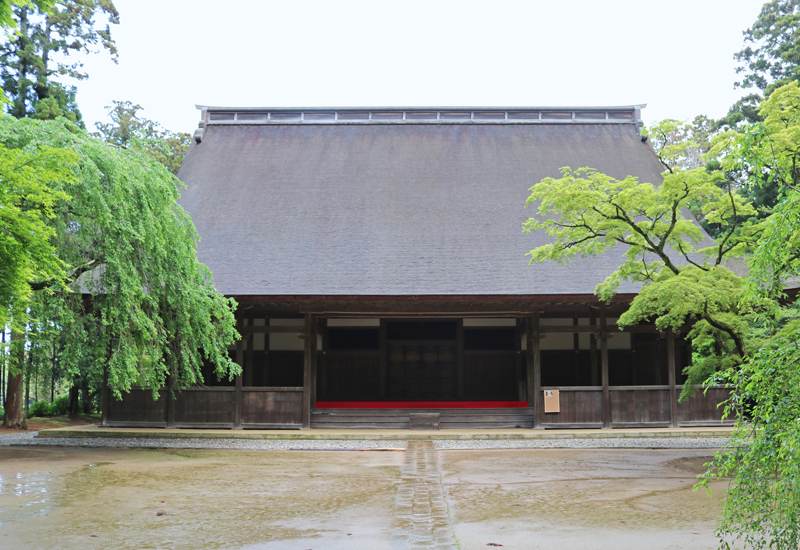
(30, 439)
(610, 443)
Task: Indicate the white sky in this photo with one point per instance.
(676, 56)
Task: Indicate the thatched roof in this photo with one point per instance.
(395, 206)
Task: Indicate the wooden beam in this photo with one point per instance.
(307, 372)
(595, 329)
(604, 370)
(270, 329)
(673, 392)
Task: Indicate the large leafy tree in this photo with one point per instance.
(684, 274)
(128, 129)
(140, 303)
(40, 48)
(762, 506)
(744, 333)
(32, 184)
(771, 56)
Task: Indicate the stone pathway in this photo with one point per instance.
(421, 511)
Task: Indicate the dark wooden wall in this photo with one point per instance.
(138, 408)
(580, 408)
(419, 360)
(260, 408)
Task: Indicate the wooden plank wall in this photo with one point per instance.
(205, 408)
(580, 408)
(264, 408)
(638, 407)
(137, 408)
(261, 408)
(701, 409)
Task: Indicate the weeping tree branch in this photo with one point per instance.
(72, 275)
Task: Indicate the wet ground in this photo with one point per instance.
(85, 498)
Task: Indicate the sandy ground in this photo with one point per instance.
(88, 498)
(560, 499)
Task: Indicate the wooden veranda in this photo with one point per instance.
(474, 363)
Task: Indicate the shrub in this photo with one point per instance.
(59, 406)
(39, 408)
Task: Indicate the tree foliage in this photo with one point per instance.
(762, 507)
(153, 316)
(38, 49)
(32, 184)
(743, 333)
(684, 274)
(771, 57)
(128, 129)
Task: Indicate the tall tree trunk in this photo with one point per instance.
(3, 370)
(53, 382)
(86, 393)
(19, 108)
(27, 393)
(73, 407)
(14, 418)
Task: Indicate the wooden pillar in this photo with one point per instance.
(322, 362)
(604, 369)
(522, 392)
(382, 360)
(313, 372)
(673, 392)
(460, 358)
(595, 381)
(534, 368)
(170, 404)
(106, 402)
(237, 408)
(247, 374)
(308, 349)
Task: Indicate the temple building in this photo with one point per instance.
(379, 264)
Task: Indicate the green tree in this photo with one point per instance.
(771, 57)
(140, 303)
(684, 274)
(32, 184)
(762, 462)
(37, 51)
(128, 129)
(743, 334)
(7, 20)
